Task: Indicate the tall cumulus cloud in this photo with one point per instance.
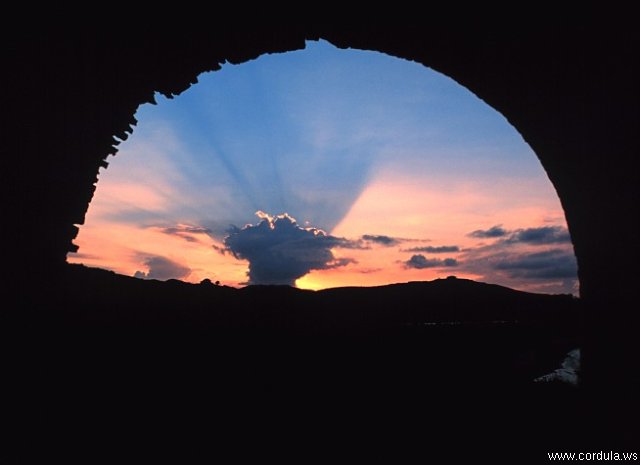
(280, 251)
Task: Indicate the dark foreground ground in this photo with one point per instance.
(102, 368)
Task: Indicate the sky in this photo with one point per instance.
(324, 168)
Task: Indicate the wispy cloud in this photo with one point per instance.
(436, 249)
(549, 264)
(187, 232)
(524, 260)
(541, 236)
(386, 241)
(491, 233)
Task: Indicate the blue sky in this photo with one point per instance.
(340, 140)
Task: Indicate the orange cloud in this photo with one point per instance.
(121, 247)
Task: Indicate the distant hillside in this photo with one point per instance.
(88, 346)
(97, 296)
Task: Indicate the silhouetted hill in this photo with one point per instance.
(95, 296)
(97, 352)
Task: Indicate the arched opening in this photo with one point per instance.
(568, 84)
(394, 172)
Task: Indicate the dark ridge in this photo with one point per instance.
(104, 297)
(438, 350)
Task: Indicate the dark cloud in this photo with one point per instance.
(534, 236)
(515, 263)
(186, 232)
(541, 236)
(420, 262)
(493, 232)
(431, 249)
(387, 241)
(162, 268)
(550, 264)
(279, 251)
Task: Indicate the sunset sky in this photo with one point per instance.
(323, 168)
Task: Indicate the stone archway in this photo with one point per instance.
(568, 87)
